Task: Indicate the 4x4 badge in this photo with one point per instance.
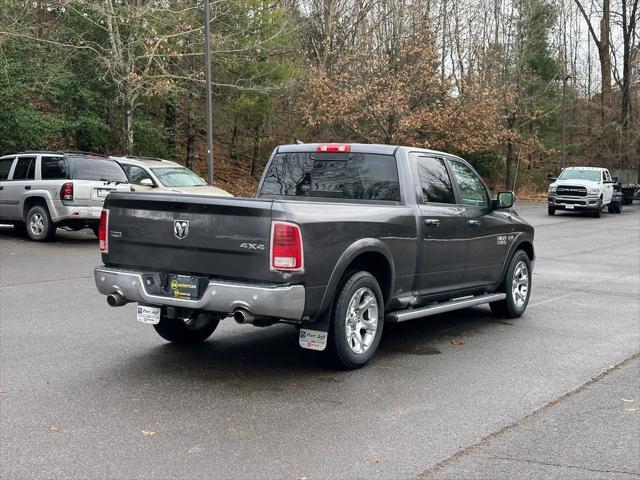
(181, 229)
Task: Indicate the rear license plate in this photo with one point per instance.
(184, 286)
(102, 192)
(150, 315)
(569, 207)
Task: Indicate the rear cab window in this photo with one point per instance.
(89, 167)
(340, 176)
(435, 182)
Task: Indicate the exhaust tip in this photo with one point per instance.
(115, 300)
(243, 316)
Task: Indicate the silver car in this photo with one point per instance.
(41, 191)
(165, 176)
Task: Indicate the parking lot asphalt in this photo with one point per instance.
(87, 392)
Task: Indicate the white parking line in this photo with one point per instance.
(549, 300)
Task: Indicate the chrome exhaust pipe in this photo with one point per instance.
(116, 300)
(243, 316)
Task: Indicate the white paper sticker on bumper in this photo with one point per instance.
(150, 315)
(313, 339)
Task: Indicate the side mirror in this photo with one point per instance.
(551, 178)
(147, 182)
(504, 200)
(615, 179)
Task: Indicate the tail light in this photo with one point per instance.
(333, 148)
(103, 231)
(286, 247)
(66, 191)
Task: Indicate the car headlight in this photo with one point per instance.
(594, 191)
(552, 189)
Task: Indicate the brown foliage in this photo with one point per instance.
(397, 97)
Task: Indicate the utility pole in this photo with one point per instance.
(207, 59)
(564, 101)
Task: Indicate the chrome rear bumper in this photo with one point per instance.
(286, 302)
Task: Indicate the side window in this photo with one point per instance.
(25, 169)
(5, 167)
(604, 177)
(137, 174)
(472, 190)
(53, 168)
(434, 180)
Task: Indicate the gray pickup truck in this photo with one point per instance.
(339, 240)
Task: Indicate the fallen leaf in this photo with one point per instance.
(148, 433)
(375, 458)
(304, 477)
(456, 343)
(231, 430)
(54, 428)
(630, 409)
(628, 400)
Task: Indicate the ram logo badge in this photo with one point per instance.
(181, 229)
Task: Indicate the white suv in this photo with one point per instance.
(581, 188)
(41, 191)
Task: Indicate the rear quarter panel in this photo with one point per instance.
(329, 229)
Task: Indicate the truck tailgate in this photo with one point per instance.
(214, 236)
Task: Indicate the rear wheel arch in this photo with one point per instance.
(31, 202)
(369, 255)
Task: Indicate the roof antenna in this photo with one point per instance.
(297, 141)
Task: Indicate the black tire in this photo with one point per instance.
(618, 207)
(597, 211)
(551, 211)
(611, 208)
(178, 331)
(40, 227)
(508, 308)
(95, 229)
(340, 347)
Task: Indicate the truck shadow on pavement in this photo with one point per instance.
(250, 358)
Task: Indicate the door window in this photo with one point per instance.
(5, 166)
(472, 190)
(25, 169)
(53, 168)
(136, 174)
(434, 180)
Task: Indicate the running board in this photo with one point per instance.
(403, 315)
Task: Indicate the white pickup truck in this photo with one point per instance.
(583, 188)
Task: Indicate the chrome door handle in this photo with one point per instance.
(473, 223)
(27, 187)
(432, 222)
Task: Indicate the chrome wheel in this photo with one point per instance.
(362, 320)
(520, 284)
(36, 224)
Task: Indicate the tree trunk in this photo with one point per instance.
(128, 127)
(191, 131)
(605, 58)
(257, 147)
(233, 148)
(511, 122)
(170, 127)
